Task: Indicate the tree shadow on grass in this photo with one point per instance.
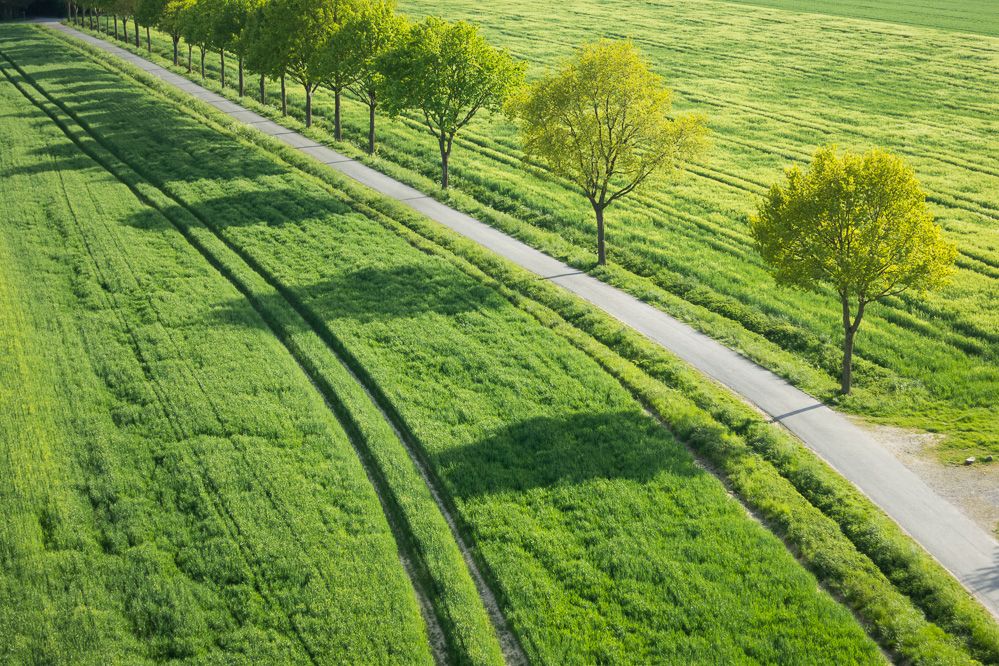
(372, 294)
(545, 452)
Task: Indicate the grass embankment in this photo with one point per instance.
(929, 362)
(896, 623)
(173, 487)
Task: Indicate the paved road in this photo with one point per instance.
(963, 547)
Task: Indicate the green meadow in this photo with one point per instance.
(250, 395)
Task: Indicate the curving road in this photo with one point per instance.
(958, 543)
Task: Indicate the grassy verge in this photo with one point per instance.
(901, 628)
(601, 535)
(176, 490)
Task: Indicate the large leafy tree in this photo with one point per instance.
(858, 223)
(372, 31)
(448, 72)
(602, 120)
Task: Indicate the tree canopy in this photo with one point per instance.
(858, 223)
(448, 72)
(602, 121)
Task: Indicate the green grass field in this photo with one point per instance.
(775, 84)
(973, 16)
(172, 488)
(600, 535)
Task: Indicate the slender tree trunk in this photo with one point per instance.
(445, 145)
(149, 43)
(189, 49)
(849, 335)
(308, 105)
(263, 90)
(116, 27)
(222, 65)
(90, 18)
(372, 103)
(240, 76)
(337, 128)
(176, 40)
(284, 98)
(202, 61)
(124, 28)
(598, 210)
(136, 22)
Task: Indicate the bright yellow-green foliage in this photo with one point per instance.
(602, 121)
(856, 221)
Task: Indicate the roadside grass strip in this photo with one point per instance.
(524, 462)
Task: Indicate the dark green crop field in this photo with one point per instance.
(183, 491)
(775, 83)
(973, 16)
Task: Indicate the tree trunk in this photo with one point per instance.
(189, 49)
(308, 106)
(90, 18)
(240, 76)
(263, 90)
(337, 128)
(445, 145)
(601, 246)
(284, 98)
(136, 22)
(116, 27)
(849, 334)
(222, 65)
(372, 103)
(176, 40)
(202, 61)
(149, 43)
(124, 28)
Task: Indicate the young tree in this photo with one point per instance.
(602, 121)
(858, 223)
(149, 12)
(196, 30)
(371, 32)
(264, 51)
(448, 72)
(342, 63)
(294, 35)
(170, 23)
